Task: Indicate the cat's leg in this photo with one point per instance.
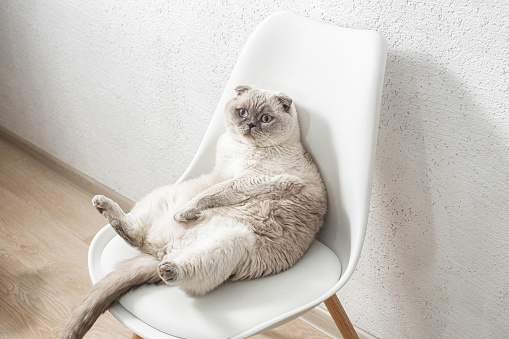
(152, 216)
(125, 225)
(236, 191)
(207, 259)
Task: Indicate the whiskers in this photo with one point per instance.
(259, 138)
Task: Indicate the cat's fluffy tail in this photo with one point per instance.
(128, 274)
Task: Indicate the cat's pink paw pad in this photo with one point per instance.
(101, 203)
(168, 271)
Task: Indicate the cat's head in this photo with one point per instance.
(261, 117)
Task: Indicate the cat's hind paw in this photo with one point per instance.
(169, 272)
(102, 204)
(187, 214)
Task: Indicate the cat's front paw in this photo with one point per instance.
(187, 214)
(102, 204)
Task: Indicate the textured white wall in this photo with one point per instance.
(123, 91)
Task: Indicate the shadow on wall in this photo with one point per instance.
(407, 238)
(437, 212)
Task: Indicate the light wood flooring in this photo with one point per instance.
(46, 225)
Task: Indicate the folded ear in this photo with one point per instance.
(285, 101)
(241, 89)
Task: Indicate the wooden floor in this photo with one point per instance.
(46, 225)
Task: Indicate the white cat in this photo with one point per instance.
(256, 214)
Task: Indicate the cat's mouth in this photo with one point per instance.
(247, 132)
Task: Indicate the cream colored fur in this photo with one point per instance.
(256, 214)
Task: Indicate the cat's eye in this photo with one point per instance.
(266, 118)
(242, 112)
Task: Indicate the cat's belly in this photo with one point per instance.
(276, 233)
(165, 230)
(282, 230)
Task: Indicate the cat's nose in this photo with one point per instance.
(251, 125)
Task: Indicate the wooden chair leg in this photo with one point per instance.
(338, 313)
(135, 336)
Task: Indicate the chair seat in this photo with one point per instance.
(230, 310)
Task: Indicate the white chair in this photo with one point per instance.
(335, 77)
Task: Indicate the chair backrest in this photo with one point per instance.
(335, 77)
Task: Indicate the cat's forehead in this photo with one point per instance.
(257, 100)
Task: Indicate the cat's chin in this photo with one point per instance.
(245, 137)
(252, 141)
